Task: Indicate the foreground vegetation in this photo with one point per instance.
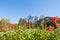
(44, 30)
(30, 34)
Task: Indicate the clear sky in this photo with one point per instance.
(15, 9)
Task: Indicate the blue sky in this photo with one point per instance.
(16, 9)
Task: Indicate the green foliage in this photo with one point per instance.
(22, 21)
(30, 34)
(4, 21)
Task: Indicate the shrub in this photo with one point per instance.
(30, 34)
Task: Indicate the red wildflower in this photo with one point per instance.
(13, 26)
(58, 25)
(54, 19)
(50, 29)
(4, 29)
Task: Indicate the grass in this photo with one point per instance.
(30, 34)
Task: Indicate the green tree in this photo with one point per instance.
(4, 22)
(22, 21)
